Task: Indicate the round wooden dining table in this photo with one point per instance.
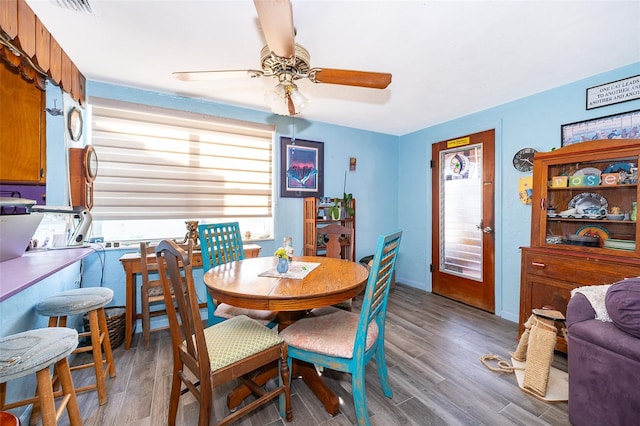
(240, 284)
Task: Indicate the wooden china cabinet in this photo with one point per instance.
(316, 216)
(576, 240)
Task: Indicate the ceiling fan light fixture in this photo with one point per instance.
(299, 100)
(286, 99)
(277, 102)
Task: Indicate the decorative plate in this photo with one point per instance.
(619, 167)
(594, 231)
(588, 171)
(74, 124)
(588, 203)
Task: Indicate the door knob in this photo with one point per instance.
(487, 230)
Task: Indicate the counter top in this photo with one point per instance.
(22, 272)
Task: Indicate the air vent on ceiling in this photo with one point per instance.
(82, 6)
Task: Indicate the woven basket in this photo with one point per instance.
(542, 341)
(115, 324)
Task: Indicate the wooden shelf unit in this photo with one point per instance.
(316, 216)
(550, 270)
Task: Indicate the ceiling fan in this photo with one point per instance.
(288, 61)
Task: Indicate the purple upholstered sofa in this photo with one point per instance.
(604, 358)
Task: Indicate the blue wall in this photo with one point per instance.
(392, 184)
(376, 154)
(373, 183)
(534, 122)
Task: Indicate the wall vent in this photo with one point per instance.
(82, 6)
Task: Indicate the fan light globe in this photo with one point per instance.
(299, 100)
(278, 99)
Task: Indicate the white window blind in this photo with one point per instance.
(156, 163)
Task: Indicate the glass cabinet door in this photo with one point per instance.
(591, 203)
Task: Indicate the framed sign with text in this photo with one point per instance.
(615, 92)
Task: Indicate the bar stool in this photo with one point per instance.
(8, 419)
(35, 351)
(91, 301)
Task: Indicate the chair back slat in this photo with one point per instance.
(149, 264)
(220, 243)
(187, 331)
(374, 303)
(333, 232)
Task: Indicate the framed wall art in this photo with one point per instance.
(301, 168)
(625, 125)
(615, 92)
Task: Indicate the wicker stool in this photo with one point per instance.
(91, 301)
(35, 351)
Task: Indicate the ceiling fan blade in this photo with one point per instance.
(374, 80)
(215, 75)
(276, 20)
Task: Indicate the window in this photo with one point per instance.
(160, 167)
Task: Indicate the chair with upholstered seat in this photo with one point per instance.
(35, 351)
(345, 341)
(221, 243)
(207, 358)
(89, 300)
(333, 235)
(151, 291)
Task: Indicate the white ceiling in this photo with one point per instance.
(448, 58)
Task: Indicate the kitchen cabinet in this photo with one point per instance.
(23, 136)
(317, 216)
(576, 240)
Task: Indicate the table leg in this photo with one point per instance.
(130, 307)
(311, 377)
(301, 369)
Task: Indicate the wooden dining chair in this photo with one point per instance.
(207, 358)
(334, 234)
(151, 292)
(221, 243)
(345, 341)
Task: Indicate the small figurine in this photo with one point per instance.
(192, 231)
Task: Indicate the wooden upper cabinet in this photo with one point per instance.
(29, 36)
(22, 120)
(67, 73)
(43, 46)
(26, 29)
(9, 17)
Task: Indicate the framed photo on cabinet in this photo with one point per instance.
(301, 168)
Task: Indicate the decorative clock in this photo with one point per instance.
(90, 163)
(83, 169)
(523, 160)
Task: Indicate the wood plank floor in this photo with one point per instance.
(433, 348)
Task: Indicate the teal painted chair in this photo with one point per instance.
(221, 243)
(345, 341)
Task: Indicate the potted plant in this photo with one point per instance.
(334, 210)
(283, 260)
(346, 203)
